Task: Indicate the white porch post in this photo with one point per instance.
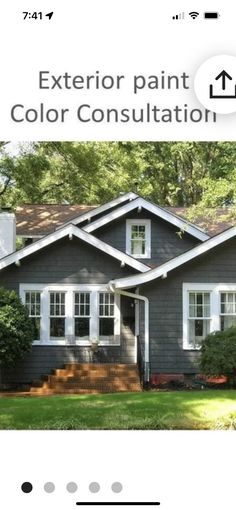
(146, 324)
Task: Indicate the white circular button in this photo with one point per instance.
(215, 84)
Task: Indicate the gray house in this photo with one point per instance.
(127, 283)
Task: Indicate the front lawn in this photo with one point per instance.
(213, 409)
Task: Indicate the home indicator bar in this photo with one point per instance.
(116, 503)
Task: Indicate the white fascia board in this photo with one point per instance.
(72, 230)
(164, 269)
(100, 209)
(26, 236)
(154, 209)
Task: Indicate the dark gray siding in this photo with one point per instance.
(166, 242)
(166, 327)
(69, 262)
(65, 262)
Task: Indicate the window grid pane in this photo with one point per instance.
(106, 304)
(199, 305)
(138, 239)
(228, 303)
(57, 304)
(82, 304)
(198, 330)
(57, 327)
(33, 303)
(82, 325)
(228, 310)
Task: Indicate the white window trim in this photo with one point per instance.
(215, 309)
(94, 290)
(147, 224)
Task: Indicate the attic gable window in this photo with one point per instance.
(138, 238)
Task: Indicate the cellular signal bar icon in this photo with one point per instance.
(179, 16)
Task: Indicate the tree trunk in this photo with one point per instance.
(1, 379)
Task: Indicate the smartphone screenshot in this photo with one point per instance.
(117, 255)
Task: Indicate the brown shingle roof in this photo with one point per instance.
(35, 219)
(212, 225)
(41, 219)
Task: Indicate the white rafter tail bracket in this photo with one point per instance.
(18, 263)
(122, 264)
(164, 276)
(70, 236)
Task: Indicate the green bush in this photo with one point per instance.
(16, 329)
(218, 354)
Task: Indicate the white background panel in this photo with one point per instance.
(121, 37)
(181, 470)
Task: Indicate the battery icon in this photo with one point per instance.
(211, 15)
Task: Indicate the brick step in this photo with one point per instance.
(95, 373)
(98, 387)
(51, 379)
(89, 378)
(86, 389)
(40, 393)
(98, 366)
(118, 384)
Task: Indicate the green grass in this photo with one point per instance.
(148, 410)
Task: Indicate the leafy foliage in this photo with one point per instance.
(16, 330)
(199, 175)
(218, 354)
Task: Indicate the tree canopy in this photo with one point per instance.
(199, 175)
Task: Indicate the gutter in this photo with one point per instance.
(146, 323)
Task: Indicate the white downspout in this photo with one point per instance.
(146, 323)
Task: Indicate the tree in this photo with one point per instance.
(16, 329)
(218, 354)
(197, 175)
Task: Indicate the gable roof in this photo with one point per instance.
(104, 207)
(36, 220)
(139, 202)
(72, 230)
(176, 262)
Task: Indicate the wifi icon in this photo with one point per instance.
(194, 14)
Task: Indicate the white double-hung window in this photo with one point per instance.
(106, 315)
(227, 310)
(199, 317)
(57, 314)
(73, 314)
(207, 307)
(82, 315)
(33, 305)
(138, 238)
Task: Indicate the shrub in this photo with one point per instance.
(16, 329)
(218, 354)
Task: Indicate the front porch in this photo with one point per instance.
(105, 367)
